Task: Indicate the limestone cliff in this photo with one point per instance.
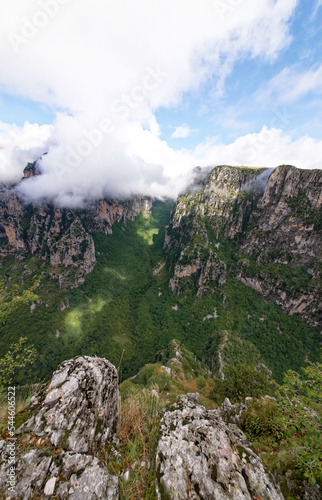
(63, 236)
(201, 218)
(263, 226)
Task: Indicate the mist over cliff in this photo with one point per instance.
(117, 90)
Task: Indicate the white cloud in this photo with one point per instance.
(291, 84)
(268, 148)
(181, 132)
(133, 152)
(20, 145)
(119, 61)
(316, 8)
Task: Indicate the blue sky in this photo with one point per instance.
(139, 92)
(15, 109)
(234, 111)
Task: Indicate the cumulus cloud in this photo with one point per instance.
(267, 148)
(291, 84)
(181, 132)
(105, 68)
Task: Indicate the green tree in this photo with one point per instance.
(305, 388)
(290, 425)
(11, 297)
(241, 381)
(20, 354)
(300, 398)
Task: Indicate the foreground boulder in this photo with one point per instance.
(73, 419)
(200, 456)
(80, 408)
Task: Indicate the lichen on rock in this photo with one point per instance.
(199, 455)
(75, 415)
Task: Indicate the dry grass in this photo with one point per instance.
(138, 410)
(139, 433)
(23, 395)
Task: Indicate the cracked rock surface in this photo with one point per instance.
(73, 418)
(80, 408)
(201, 456)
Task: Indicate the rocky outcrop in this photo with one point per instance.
(31, 169)
(63, 474)
(199, 455)
(68, 423)
(79, 408)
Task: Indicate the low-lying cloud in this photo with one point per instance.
(105, 69)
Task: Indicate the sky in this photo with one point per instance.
(128, 96)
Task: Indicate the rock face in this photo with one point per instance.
(11, 231)
(201, 218)
(31, 170)
(63, 236)
(101, 215)
(200, 456)
(65, 475)
(68, 422)
(288, 218)
(79, 408)
(286, 230)
(74, 247)
(272, 219)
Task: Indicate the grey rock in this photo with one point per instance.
(77, 477)
(201, 456)
(79, 408)
(77, 412)
(50, 486)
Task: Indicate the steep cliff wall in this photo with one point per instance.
(268, 236)
(63, 236)
(201, 219)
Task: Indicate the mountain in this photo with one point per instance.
(71, 429)
(62, 236)
(235, 267)
(274, 237)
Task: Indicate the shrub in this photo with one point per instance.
(241, 381)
